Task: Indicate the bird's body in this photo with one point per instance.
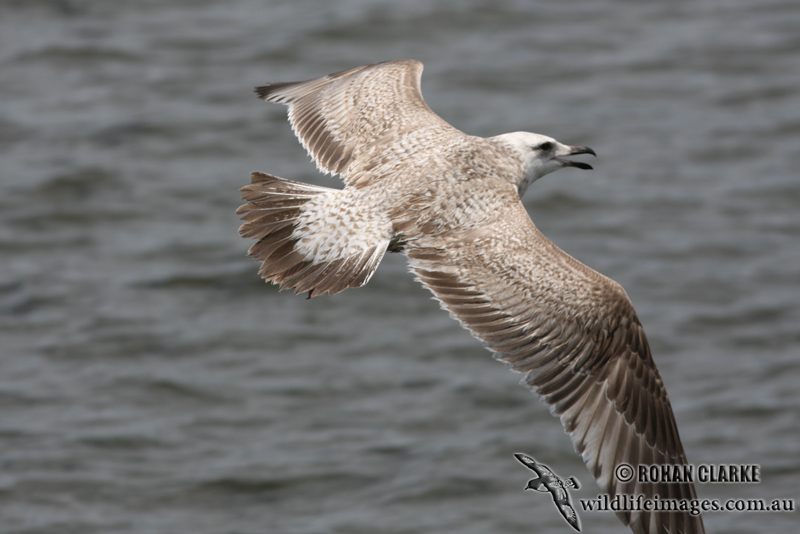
(451, 202)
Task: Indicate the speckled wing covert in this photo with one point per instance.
(349, 121)
(574, 334)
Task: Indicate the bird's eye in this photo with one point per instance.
(545, 147)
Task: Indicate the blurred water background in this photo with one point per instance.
(151, 383)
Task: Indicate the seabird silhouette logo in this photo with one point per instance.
(548, 481)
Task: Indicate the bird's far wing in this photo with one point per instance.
(574, 334)
(527, 461)
(348, 120)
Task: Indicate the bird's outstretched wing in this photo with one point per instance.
(533, 465)
(352, 121)
(569, 513)
(575, 336)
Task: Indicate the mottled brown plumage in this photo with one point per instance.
(452, 202)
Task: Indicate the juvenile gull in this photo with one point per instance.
(451, 202)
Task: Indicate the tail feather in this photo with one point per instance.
(331, 275)
(311, 238)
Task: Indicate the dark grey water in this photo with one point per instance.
(150, 383)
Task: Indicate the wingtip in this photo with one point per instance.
(524, 459)
(269, 92)
(264, 91)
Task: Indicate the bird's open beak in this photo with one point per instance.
(573, 151)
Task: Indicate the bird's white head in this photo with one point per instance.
(540, 155)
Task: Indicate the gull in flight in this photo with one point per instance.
(452, 203)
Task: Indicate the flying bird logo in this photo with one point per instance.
(547, 480)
